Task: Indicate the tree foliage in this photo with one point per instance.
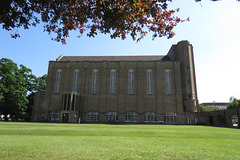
(203, 108)
(40, 85)
(17, 88)
(12, 89)
(234, 103)
(114, 17)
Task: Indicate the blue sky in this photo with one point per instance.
(213, 30)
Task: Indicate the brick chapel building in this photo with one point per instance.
(121, 89)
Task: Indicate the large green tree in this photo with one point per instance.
(12, 90)
(17, 88)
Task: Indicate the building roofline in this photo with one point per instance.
(112, 58)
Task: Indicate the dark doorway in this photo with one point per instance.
(65, 117)
(211, 120)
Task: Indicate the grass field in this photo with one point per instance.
(100, 141)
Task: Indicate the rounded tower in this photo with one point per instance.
(183, 52)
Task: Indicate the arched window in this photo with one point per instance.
(111, 117)
(112, 81)
(92, 117)
(149, 82)
(150, 117)
(130, 81)
(131, 117)
(94, 81)
(58, 80)
(170, 118)
(75, 80)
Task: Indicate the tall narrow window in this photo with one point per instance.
(65, 102)
(112, 81)
(58, 80)
(149, 82)
(168, 81)
(69, 101)
(73, 101)
(130, 81)
(94, 81)
(75, 80)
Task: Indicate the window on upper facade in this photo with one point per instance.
(149, 82)
(111, 117)
(75, 80)
(58, 80)
(131, 117)
(150, 117)
(94, 81)
(170, 118)
(92, 117)
(130, 81)
(168, 81)
(112, 81)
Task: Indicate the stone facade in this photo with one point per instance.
(121, 89)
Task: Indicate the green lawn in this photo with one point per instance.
(100, 141)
